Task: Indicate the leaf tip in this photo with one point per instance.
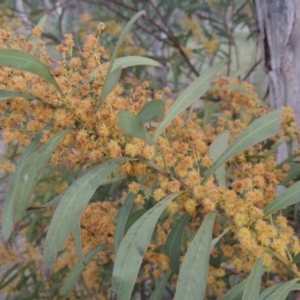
(47, 273)
(16, 227)
(5, 243)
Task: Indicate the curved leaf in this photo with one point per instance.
(54, 202)
(151, 110)
(209, 110)
(29, 174)
(133, 248)
(296, 259)
(71, 206)
(288, 197)
(216, 149)
(283, 291)
(23, 61)
(174, 241)
(111, 82)
(122, 220)
(77, 238)
(125, 31)
(7, 218)
(133, 126)
(6, 94)
(267, 292)
(259, 130)
(252, 287)
(194, 270)
(77, 270)
(236, 292)
(293, 173)
(134, 217)
(130, 61)
(193, 92)
(160, 287)
(215, 240)
(35, 39)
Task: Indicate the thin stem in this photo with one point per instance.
(230, 40)
(293, 268)
(251, 70)
(172, 40)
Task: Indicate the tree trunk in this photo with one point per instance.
(279, 26)
(279, 31)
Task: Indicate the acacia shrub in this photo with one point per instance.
(165, 171)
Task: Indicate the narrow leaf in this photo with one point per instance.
(215, 240)
(29, 174)
(23, 61)
(77, 270)
(7, 276)
(6, 94)
(111, 82)
(296, 259)
(122, 220)
(130, 61)
(77, 238)
(134, 217)
(35, 39)
(133, 248)
(174, 241)
(267, 292)
(209, 110)
(288, 197)
(236, 292)
(216, 149)
(54, 202)
(293, 173)
(7, 218)
(160, 287)
(272, 291)
(283, 291)
(151, 111)
(71, 206)
(42, 21)
(125, 31)
(193, 92)
(252, 287)
(194, 270)
(133, 126)
(259, 130)
(237, 88)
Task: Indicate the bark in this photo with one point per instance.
(279, 30)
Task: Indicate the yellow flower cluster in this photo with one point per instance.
(211, 45)
(98, 226)
(8, 20)
(6, 166)
(128, 46)
(192, 24)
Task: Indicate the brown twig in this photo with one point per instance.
(252, 69)
(171, 41)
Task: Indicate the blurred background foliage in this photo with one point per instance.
(185, 36)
